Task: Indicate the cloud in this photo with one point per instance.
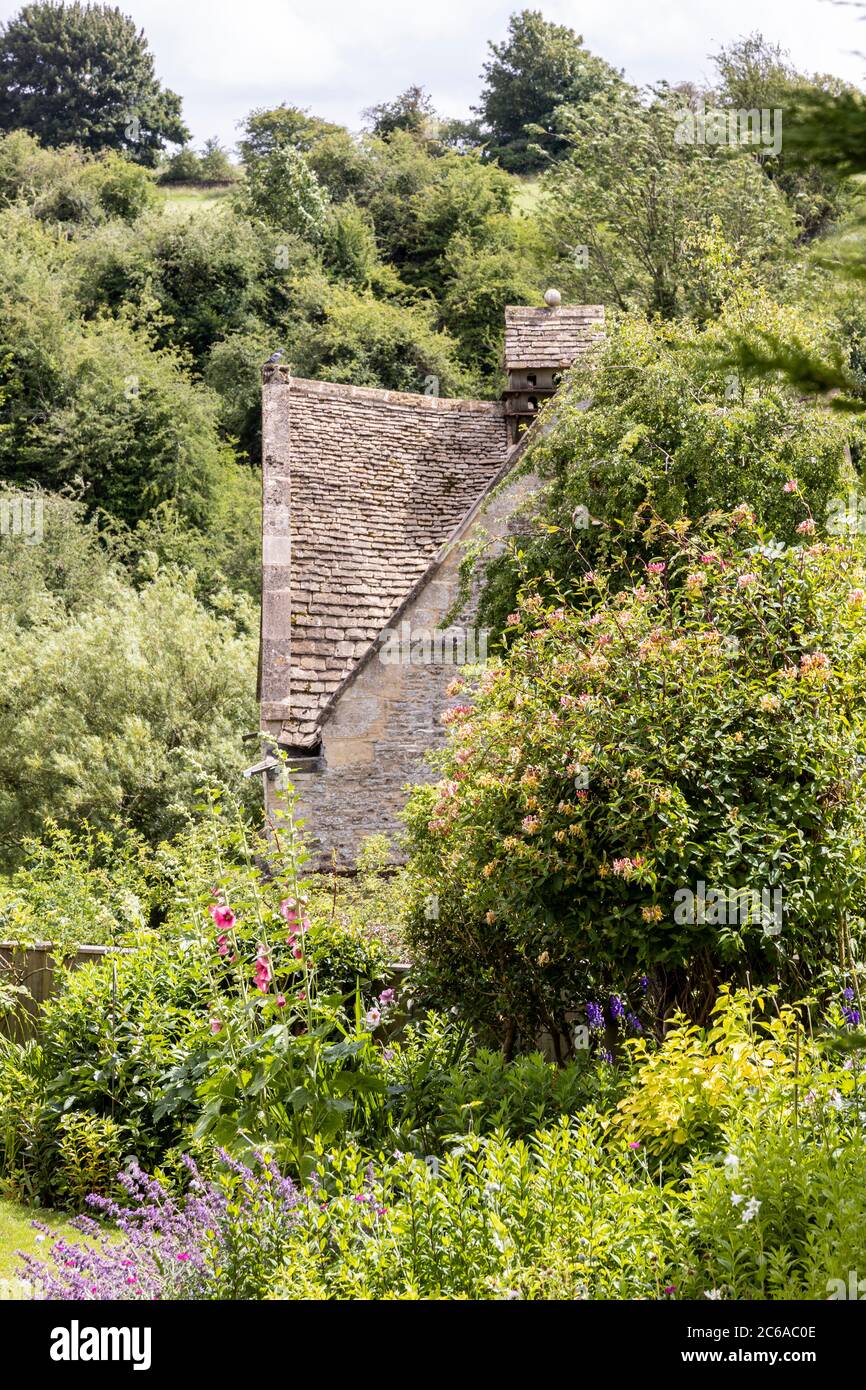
(338, 56)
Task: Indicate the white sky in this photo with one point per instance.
(339, 56)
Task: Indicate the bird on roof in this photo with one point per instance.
(276, 356)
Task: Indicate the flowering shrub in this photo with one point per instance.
(696, 723)
(245, 1021)
(224, 1239)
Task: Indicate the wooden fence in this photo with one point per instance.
(39, 969)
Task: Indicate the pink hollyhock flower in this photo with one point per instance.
(289, 910)
(298, 952)
(222, 944)
(223, 917)
(791, 485)
(302, 994)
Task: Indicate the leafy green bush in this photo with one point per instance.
(556, 1216)
(114, 710)
(671, 426)
(702, 726)
(76, 888)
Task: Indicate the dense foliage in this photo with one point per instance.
(693, 719)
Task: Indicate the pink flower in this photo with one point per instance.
(387, 997)
(856, 595)
(289, 909)
(708, 559)
(745, 581)
(222, 944)
(656, 567)
(635, 1144)
(263, 970)
(374, 1018)
(184, 1255)
(280, 1001)
(791, 485)
(216, 1025)
(806, 528)
(223, 917)
(530, 824)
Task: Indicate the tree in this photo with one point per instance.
(621, 209)
(282, 189)
(82, 74)
(756, 75)
(539, 68)
(412, 111)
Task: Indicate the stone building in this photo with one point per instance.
(370, 498)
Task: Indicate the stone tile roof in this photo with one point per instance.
(550, 337)
(362, 488)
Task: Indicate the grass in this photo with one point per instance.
(527, 194)
(16, 1233)
(189, 197)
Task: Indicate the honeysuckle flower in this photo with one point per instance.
(791, 485)
(745, 581)
(806, 528)
(223, 917)
(769, 703)
(856, 596)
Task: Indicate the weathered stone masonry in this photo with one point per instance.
(369, 497)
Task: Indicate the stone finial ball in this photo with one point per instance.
(552, 298)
